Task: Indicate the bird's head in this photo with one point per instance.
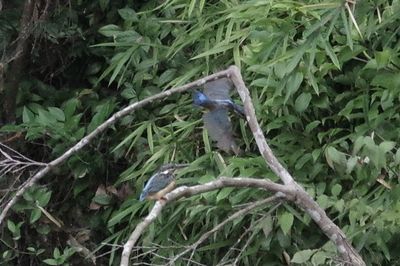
(171, 168)
(199, 98)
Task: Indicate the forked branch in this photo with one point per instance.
(291, 190)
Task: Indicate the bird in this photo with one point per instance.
(162, 182)
(215, 98)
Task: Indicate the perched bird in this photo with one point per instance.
(162, 182)
(215, 98)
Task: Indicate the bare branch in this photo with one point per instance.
(109, 122)
(12, 161)
(216, 228)
(303, 200)
(280, 190)
(290, 190)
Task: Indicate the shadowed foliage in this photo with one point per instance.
(324, 79)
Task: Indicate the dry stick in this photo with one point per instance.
(237, 214)
(302, 199)
(297, 194)
(280, 190)
(83, 142)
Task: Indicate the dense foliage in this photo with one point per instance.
(325, 81)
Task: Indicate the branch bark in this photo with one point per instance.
(303, 200)
(291, 190)
(88, 138)
(280, 190)
(18, 64)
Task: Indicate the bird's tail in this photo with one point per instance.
(143, 196)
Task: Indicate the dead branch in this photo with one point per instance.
(88, 138)
(216, 228)
(291, 190)
(303, 200)
(280, 190)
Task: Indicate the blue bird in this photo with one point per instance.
(162, 182)
(215, 98)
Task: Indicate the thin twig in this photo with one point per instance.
(246, 231)
(216, 228)
(100, 129)
(280, 190)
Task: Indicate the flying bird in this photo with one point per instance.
(215, 98)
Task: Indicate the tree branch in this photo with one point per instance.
(88, 138)
(216, 228)
(291, 190)
(280, 190)
(303, 200)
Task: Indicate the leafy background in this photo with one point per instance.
(326, 92)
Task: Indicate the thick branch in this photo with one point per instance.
(280, 190)
(18, 64)
(303, 200)
(83, 142)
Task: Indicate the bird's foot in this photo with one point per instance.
(162, 199)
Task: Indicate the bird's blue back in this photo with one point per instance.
(157, 182)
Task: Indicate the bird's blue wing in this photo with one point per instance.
(218, 89)
(199, 98)
(157, 182)
(219, 128)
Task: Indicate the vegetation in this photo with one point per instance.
(324, 78)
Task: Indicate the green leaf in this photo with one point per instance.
(302, 256)
(358, 144)
(332, 155)
(70, 107)
(387, 80)
(57, 113)
(293, 84)
(302, 102)
(224, 193)
(35, 215)
(51, 262)
(319, 258)
(128, 14)
(27, 115)
(215, 50)
(110, 30)
(331, 54)
(324, 201)
(7, 255)
(351, 163)
(336, 189)
(312, 126)
(383, 58)
(128, 93)
(120, 215)
(56, 253)
(150, 137)
(102, 112)
(44, 198)
(191, 7)
(387, 146)
(44, 118)
(397, 157)
(11, 226)
(102, 199)
(286, 222)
